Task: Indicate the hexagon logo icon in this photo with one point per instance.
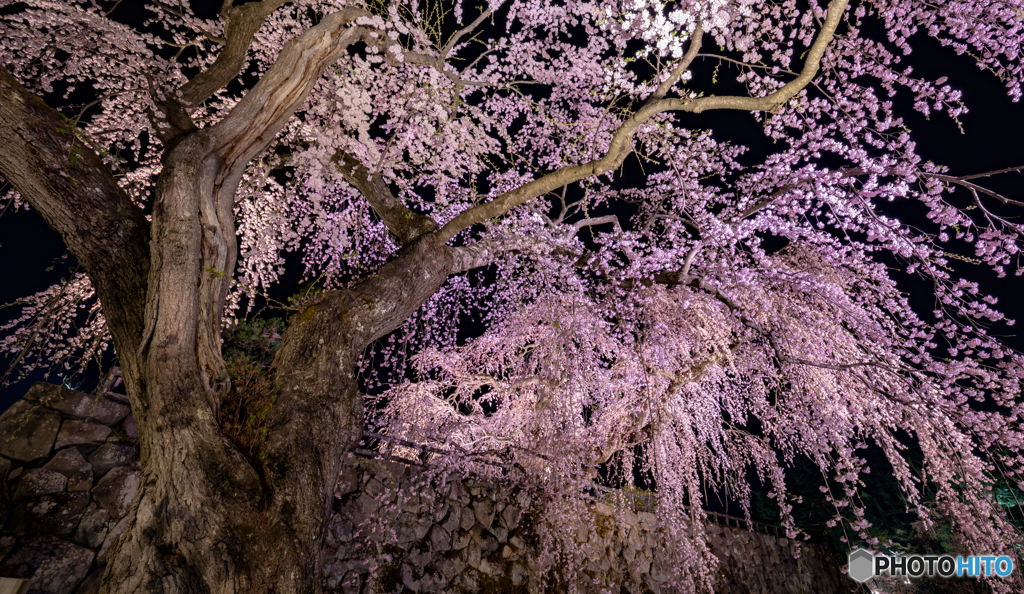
(861, 567)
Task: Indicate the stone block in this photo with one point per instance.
(93, 528)
(77, 405)
(432, 582)
(452, 520)
(111, 538)
(460, 540)
(408, 579)
(518, 575)
(409, 504)
(80, 482)
(489, 568)
(27, 431)
(112, 455)
(130, 428)
(440, 540)
(81, 433)
(71, 464)
(342, 529)
(450, 567)
(468, 519)
(486, 541)
(55, 566)
(52, 514)
(348, 480)
(405, 532)
(374, 488)
(510, 517)
(68, 462)
(116, 490)
(483, 511)
(37, 482)
(474, 555)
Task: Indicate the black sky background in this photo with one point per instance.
(992, 138)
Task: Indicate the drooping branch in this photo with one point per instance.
(973, 187)
(852, 172)
(447, 49)
(645, 431)
(403, 222)
(70, 186)
(680, 68)
(240, 25)
(622, 141)
(781, 354)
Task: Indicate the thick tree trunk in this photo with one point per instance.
(207, 517)
(210, 519)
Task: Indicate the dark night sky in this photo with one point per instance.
(994, 129)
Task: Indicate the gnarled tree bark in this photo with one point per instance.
(208, 517)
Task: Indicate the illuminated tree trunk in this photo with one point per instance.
(208, 516)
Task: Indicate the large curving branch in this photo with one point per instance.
(691, 53)
(250, 127)
(406, 224)
(622, 141)
(70, 186)
(240, 25)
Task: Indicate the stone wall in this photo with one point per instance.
(470, 535)
(69, 471)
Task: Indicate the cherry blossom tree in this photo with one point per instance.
(541, 167)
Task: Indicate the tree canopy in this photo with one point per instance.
(649, 298)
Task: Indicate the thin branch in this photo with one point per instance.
(780, 353)
(962, 181)
(607, 219)
(1016, 169)
(681, 67)
(240, 25)
(622, 140)
(404, 223)
(465, 31)
(745, 64)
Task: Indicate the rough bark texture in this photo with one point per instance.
(204, 512)
(208, 517)
(68, 184)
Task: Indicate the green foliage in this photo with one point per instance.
(304, 295)
(1010, 498)
(248, 355)
(255, 340)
